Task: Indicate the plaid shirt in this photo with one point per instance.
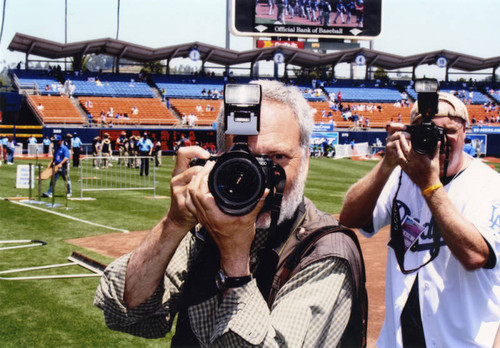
(312, 309)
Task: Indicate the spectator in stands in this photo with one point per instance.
(199, 108)
(46, 145)
(60, 88)
(134, 110)
(96, 151)
(106, 151)
(40, 107)
(442, 283)
(76, 145)
(404, 95)
(60, 165)
(90, 119)
(145, 150)
(89, 104)
(192, 118)
(104, 121)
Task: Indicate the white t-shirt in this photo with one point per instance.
(459, 308)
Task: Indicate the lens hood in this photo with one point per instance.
(237, 182)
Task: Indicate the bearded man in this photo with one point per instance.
(317, 301)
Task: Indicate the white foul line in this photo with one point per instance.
(70, 217)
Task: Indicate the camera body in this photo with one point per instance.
(239, 178)
(426, 135)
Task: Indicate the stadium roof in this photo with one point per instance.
(53, 50)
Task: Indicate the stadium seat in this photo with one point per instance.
(151, 110)
(55, 110)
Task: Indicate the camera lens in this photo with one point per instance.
(237, 183)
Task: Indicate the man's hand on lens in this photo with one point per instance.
(233, 234)
(179, 214)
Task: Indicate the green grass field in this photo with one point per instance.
(59, 312)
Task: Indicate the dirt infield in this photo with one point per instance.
(374, 252)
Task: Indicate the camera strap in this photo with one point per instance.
(280, 181)
(447, 156)
(397, 239)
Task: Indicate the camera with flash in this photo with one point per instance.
(239, 178)
(426, 135)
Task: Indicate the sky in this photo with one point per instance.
(408, 26)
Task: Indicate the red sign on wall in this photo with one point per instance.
(273, 43)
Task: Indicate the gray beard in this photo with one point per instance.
(289, 204)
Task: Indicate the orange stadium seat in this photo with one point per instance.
(151, 111)
(378, 119)
(188, 106)
(56, 109)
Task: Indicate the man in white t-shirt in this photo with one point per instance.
(443, 274)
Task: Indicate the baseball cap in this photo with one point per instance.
(57, 137)
(460, 110)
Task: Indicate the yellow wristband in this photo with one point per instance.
(431, 188)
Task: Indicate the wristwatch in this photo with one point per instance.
(223, 282)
